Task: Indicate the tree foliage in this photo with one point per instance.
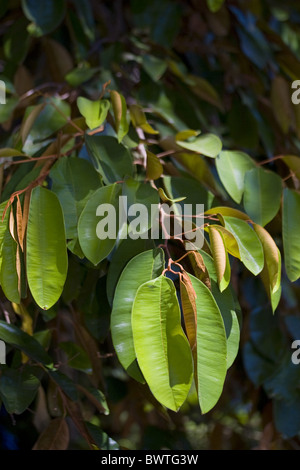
(144, 342)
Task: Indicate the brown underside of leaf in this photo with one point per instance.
(199, 268)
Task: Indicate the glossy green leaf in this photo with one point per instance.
(46, 15)
(18, 389)
(163, 355)
(92, 230)
(102, 440)
(230, 313)
(197, 167)
(250, 247)
(9, 279)
(232, 166)
(211, 347)
(45, 119)
(291, 233)
(112, 159)
(11, 334)
(73, 181)
(192, 190)
(262, 195)
(46, 260)
(94, 112)
(140, 269)
(207, 144)
(77, 358)
(229, 308)
(126, 250)
(142, 206)
(227, 211)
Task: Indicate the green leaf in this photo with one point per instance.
(291, 233)
(112, 159)
(140, 269)
(84, 11)
(227, 211)
(163, 355)
(262, 195)
(211, 347)
(214, 5)
(250, 247)
(65, 383)
(139, 119)
(11, 334)
(16, 41)
(126, 250)
(232, 166)
(187, 189)
(73, 181)
(208, 144)
(18, 389)
(8, 275)
(102, 440)
(93, 244)
(77, 357)
(293, 162)
(144, 194)
(44, 119)
(154, 167)
(229, 308)
(120, 113)
(154, 66)
(229, 311)
(94, 112)
(46, 15)
(47, 261)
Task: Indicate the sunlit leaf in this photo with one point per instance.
(250, 247)
(97, 242)
(291, 233)
(140, 269)
(262, 195)
(94, 112)
(211, 347)
(232, 166)
(47, 261)
(164, 356)
(207, 144)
